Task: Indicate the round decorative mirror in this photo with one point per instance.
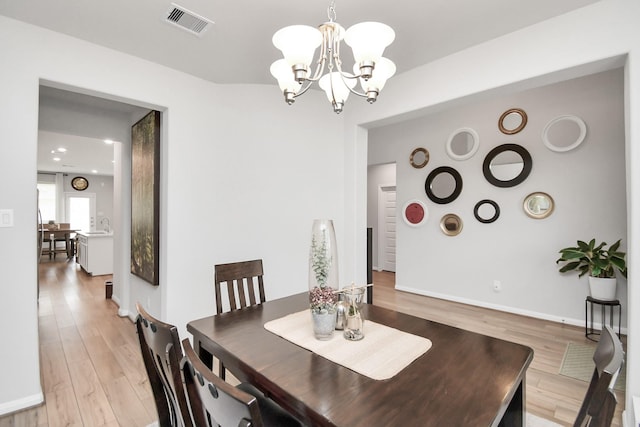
(538, 205)
(415, 213)
(419, 158)
(462, 144)
(512, 121)
(443, 185)
(507, 165)
(564, 133)
(486, 211)
(451, 224)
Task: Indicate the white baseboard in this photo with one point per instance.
(507, 309)
(121, 311)
(21, 404)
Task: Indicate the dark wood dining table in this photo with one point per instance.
(465, 379)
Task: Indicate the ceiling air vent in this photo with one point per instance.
(187, 20)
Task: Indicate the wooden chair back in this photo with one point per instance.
(161, 352)
(600, 401)
(244, 284)
(213, 401)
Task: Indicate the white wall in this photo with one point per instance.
(597, 37)
(587, 184)
(243, 176)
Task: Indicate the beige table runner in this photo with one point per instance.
(382, 353)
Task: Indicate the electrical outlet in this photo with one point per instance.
(497, 286)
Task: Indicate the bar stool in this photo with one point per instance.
(588, 315)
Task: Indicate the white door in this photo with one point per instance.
(80, 211)
(387, 228)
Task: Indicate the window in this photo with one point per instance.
(47, 201)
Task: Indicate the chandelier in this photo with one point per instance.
(298, 44)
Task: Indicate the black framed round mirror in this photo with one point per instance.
(486, 211)
(443, 185)
(507, 165)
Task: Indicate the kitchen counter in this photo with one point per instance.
(95, 252)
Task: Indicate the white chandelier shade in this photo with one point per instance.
(385, 69)
(368, 40)
(337, 88)
(298, 44)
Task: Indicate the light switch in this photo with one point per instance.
(6, 217)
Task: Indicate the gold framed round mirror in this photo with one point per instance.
(512, 121)
(419, 158)
(451, 224)
(538, 205)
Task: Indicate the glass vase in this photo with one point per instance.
(354, 318)
(323, 278)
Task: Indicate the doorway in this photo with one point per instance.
(81, 211)
(387, 228)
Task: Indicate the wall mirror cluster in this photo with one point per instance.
(443, 185)
(419, 158)
(462, 144)
(486, 211)
(564, 133)
(538, 205)
(512, 121)
(507, 165)
(451, 224)
(415, 213)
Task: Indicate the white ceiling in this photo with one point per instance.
(237, 48)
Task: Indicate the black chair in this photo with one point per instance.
(161, 352)
(600, 401)
(244, 286)
(215, 402)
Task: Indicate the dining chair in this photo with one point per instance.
(244, 287)
(161, 352)
(215, 402)
(600, 401)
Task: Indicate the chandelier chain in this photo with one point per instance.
(331, 11)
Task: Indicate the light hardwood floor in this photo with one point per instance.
(93, 375)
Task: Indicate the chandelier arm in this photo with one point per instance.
(309, 83)
(345, 76)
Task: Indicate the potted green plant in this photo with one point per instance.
(599, 262)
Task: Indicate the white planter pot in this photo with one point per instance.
(603, 288)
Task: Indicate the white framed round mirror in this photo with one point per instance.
(564, 133)
(462, 144)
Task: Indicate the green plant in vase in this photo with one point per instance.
(323, 279)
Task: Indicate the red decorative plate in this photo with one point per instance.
(415, 213)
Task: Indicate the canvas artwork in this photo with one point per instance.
(145, 192)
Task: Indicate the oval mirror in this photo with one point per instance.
(486, 211)
(538, 205)
(415, 213)
(564, 133)
(507, 165)
(512, 121)
(443, 185)
(419, 158)
(451, 224)
(462, 144)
